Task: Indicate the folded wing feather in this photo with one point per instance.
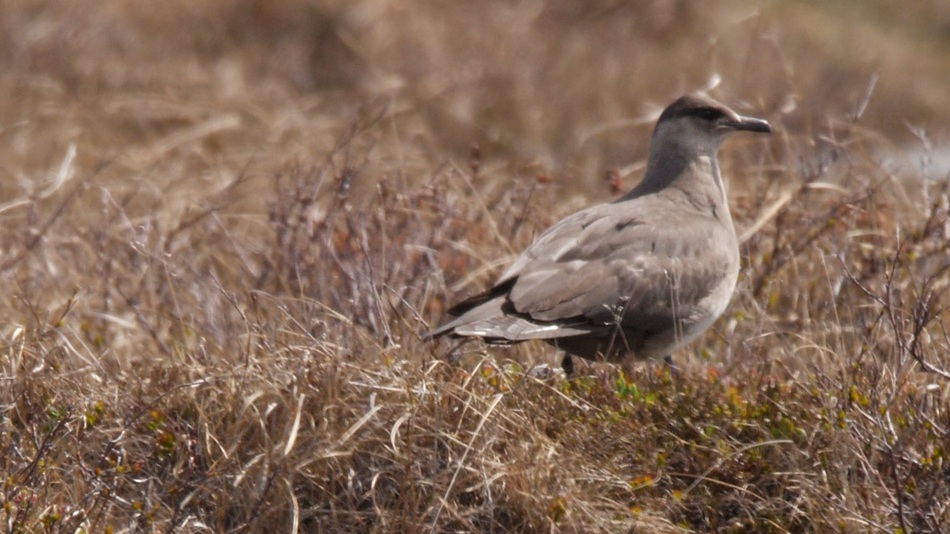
(592, 268)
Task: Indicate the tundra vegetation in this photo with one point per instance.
(223, 225)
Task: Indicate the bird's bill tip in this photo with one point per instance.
(751, 124)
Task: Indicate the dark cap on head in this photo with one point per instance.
(708, 109)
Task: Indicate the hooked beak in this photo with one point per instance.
(751, 124)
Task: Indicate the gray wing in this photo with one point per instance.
(626, 261)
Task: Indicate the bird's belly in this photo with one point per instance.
(707, 311)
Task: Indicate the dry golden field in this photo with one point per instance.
(223, 225)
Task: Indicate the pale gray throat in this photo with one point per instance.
(669, 164)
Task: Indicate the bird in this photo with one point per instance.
(633, 279)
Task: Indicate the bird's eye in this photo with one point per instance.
(708, 114)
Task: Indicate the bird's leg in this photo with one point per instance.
(568, 365)
(668, 362)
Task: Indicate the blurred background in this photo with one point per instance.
(223, 224)
(563, 89)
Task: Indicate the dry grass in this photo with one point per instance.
(224, 224)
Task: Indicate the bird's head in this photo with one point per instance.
(698, 125)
